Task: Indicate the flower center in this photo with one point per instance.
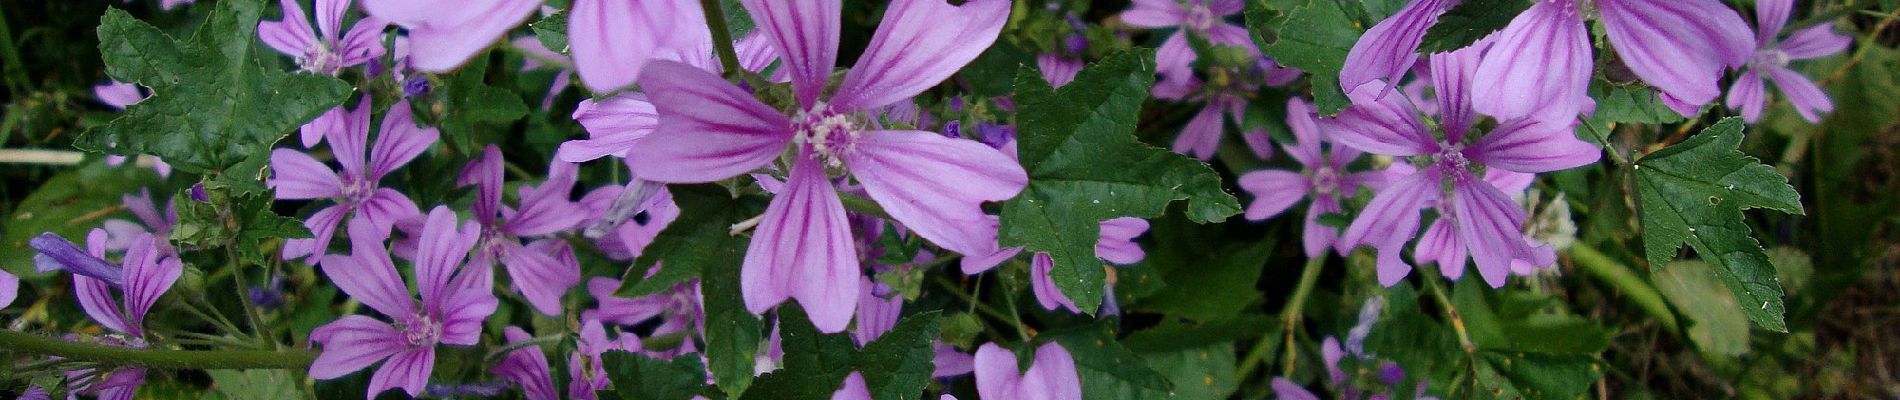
(357, 191)
(1325, 181)
(1452, 158)
(1200, 18)
(830, 134)
(420, 330)
(1769, 56)
(320, 59)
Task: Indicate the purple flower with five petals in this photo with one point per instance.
(142, 277)
(1772, 54)
(1203, 18)
(1324, 179)
(543, 269)
(678, 310)
(322, 50)
(1051, 376)
(446, 33)
(298, 176)
(455, 301)
(1487, 221)
(802, 247)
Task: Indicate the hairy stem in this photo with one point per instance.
(154, 358)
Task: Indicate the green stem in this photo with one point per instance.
(154, 358)
(721, 36)
(1605, 140)
(1618, 275)
(974, 302)
(1295, 310)
(862, 206)
(1451, 313)
(259, 330)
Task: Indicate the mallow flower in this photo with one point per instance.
(444, 34)
(454, 301)
(322, 50)
(802, 249)
(142, 277)
(1203, 18)
(678, 310)
(612, 40)
(120, 233)
(9, 288)
(541, 266)
(297, 176)
(1324, 179)
(526, 367)
(1051, 375)
(1487, 221)
(1749, 94)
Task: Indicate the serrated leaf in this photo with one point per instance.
(213, 105)
(700, 239)
(815, 364)
(1314, 37)
(1629, 103)
(1108, 370)
(472, 104)
(1085, 166)
(552, 32)
(898, 364)
(638, 377)
(253, 384)
(1469, 21)
(1202, 373)
(1694, 192)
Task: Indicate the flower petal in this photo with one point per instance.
(526, 367)
(1808, 99)
(613, 126)
(471, 300)
(803, 249)
(1392, 216)
(918, 45)
(996, 372)
(95, 297)
(1044, 287)
(612, 39)
(1385, 52)
(1155, 14)
(805, 33)
(1315, 237)
(148, 275)
(876, 313)
(446, 33)
(1303, 120)
(709, 129)
(1117, 244)
(1273, 192)
(1539, 66)
(853, 388)
(1533, 146)
(1052, 376)
(370, 277)
(1678, 46)
(444, 244)
(936, 185)
(1202, 134)
(296, 176)
(292, 35)
(1387, 125)
(352, 343)
(1440, 245)
(408, 370)
(399, 141)
(542, 272)
(1490, 225)
(322, 226)
(1770, 17)
(1748, 95)
(9, 288)
(1815, 42)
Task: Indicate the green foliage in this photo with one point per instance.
(469, 106)
(1314, 37)
(240, 221)
(69, 204)
(1207, 278)
(1717, 324)
(895, 366)
(552, 32)
(1468, 22)
(213, 104)
(699, 240)
(1108, 370)
(1085, 166)
(732, 333)
(1694, 193)
(1629, 103)
(253, 384)
(677, 379)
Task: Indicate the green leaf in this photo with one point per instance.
(1717, 325)
(254, 384)
(732, 333)
(1629, 103)
(898, 364)
(1202, 373)
(1469, 21)
(68, 204)
(1085, 167)
(1314, 37)
(1209, 276)
(552, 32)
(1535, 376)
(1108, 370)
(994, 72)
(699, 240)
(639, 377)
(472, 105)
(1694, 193)
(1494, 328)
(815, 364)
(213, 103)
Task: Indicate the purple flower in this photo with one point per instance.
(802, 247)
(1204, 18)
(1117, 246)
(9, 288)
(678, 309)
(1750, 95)
(878, 311)
(526, 367)
(586, 373)
(1540, 65)
(322, 51)
(613, 125)
(145, 275)
(542, 270)
(446, 33)
(1390, 48)
(630, 238)
(120, 233)
(853, 389)
(1323, 179)
(1051, 376)
(355, 191)
(1058, 70)
(455, 300)
(1486, 220)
